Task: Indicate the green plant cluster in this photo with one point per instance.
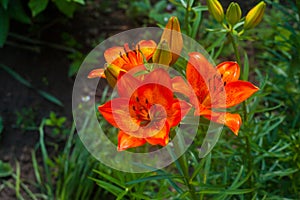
(16, 10)
(263, 162)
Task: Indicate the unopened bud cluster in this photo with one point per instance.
(234, 14)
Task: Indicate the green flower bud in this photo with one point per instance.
(172, 37)
(233, 13)
(255, 15)
(111, 73)
(162, 54)
(216, 9)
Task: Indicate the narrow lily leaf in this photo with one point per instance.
(227, 192)
(197, 170)
(110, 178)
(150, 178)
(161, 172)
(1, 125)
(246, 68)
(50, 98)
(4, 26)
(237, 178)
(19, 78)
(108, 186)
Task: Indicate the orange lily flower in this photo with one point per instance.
(145, 109)
(215, 88)
(123, 58)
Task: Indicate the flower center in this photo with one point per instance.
(140, 111)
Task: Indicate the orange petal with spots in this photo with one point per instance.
(159, 76)
(117, 113)
(147, 47)
(113, 53)
(161, 138)
(232, 121)
(97, 73)
(229, 70)
(127, 84)
(178, 110)
(126, 141)
(180, 86)
(198, 72)
(237, 92)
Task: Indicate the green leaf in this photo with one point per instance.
(4, 26)
(80, 2)
(37, 6)
(67, 8)
(246, 68)
(17, 12)
(5, 169)
(110, 178)
(109, 187)
(50, 98)
(4, 3)
(74, 67)
(150, 178)
(19, 78)
(1, 125)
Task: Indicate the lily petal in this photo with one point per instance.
(147, 47)
(117, 113)
(177, 112)
(198, 73)
(97, 73)
(161, 138)
(155, 94)
(180, 86)
(127, 84)
(229, 70)
(158, 76)
(237, 92)
(126, 141)
(113, 53)
(232, 121)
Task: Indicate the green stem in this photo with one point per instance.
(247, 138)
(186, 18)
(238, 59)
(248, 149)
(183, 164)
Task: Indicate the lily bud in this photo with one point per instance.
(162, 54)
(255, 15)
(112, 72)
(172, 36)
(233, 13)
(215, 8)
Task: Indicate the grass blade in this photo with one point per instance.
(19, 78)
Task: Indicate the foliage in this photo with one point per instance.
(15, 9)
(264, 157)
(70, 170)
(26, 83)
(263, 162)
(1, 126)
(58, 124)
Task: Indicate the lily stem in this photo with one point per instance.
(247, 138)
(238, 59)
(185, 170)
(186, 18)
